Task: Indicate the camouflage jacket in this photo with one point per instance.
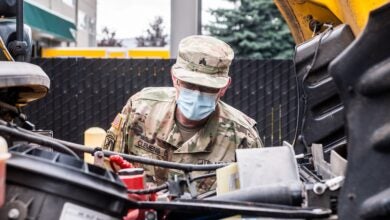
(146, 127)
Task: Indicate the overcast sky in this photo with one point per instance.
(131, 18)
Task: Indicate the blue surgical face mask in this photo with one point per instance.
(196, 105)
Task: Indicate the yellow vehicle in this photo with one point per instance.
(343, 73)
(307, 16)
(342, 63)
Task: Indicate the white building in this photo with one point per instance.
(61, 22)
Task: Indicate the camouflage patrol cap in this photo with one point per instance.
(204, 61)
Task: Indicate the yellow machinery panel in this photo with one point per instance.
(303, 15)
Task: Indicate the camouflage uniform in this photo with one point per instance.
(146, 126)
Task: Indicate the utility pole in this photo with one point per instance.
(185, 21)
(76, 20)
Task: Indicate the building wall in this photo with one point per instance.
(65, 8)
(45, 3)
(85, 20)
(86, 26)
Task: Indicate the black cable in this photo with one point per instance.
(204, 208)
(202, 176)
(130, 158)
(77, 147)
(166, 164)
(36, 139)
(148, 191)
(207, 194)
(306, 74)
(9, 107)
(298, 109)
(307, 176)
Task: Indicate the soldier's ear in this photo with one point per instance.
(175, 85)
(223, 90)
(174, 80)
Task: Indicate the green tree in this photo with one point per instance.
(155, 35)
(109, 39)
(254, 28)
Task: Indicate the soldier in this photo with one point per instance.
(187, 123)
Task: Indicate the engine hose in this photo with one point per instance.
(202, 176)
(166, 164)
(130, 158)
(205, 209)
(148, 191)
(36, 139)
(282, 194)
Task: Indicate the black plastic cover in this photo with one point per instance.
(320, 113)
(38, 178)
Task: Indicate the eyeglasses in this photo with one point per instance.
(197, 87)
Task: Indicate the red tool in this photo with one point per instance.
(134, 179)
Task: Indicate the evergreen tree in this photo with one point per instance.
(254, 28)
(155, 35)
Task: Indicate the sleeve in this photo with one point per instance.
(257, 140)
(252, 138)
(114, 140)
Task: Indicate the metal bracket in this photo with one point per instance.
(335, 168)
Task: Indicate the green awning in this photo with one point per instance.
(49, 23)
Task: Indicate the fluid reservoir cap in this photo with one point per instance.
(94, 136)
